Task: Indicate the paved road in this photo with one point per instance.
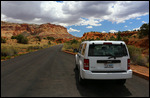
(50, 73)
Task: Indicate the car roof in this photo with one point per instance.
(101, 42)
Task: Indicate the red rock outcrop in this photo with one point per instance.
(43, 30)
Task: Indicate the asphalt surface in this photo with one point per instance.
(51, 73)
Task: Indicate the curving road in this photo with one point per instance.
(50, 73)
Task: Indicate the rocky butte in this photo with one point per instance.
(43, 30)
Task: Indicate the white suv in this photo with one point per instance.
(103, 60)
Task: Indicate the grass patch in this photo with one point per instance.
(137, 57)
(8, 51)
(70, 46)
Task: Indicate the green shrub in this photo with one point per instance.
(51, 38)
(8, 51)
(125, 39)
(71, 47)
(141, 60)
(3, 58)
(24, 40)
(32, 48)
(8, 57)
(112, 38)
(97, 38)
(3, 40)
(134, 36)
(119, 36)
(13, 37)
(59, 41)
(144, 30)
(49, 42)
(136, 56)
(38, 38)
(74, 41)
(21, 39)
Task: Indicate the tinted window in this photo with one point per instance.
(107, 50)
(80, 48)
(83, 51)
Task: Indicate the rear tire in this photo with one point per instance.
(121, 82)
(81, 81)
(76, 66)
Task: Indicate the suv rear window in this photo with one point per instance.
(107, 50)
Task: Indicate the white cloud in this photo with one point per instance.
(130, 22)
(136, 28)
(138, 18)
(89, 27)
(129, 30)
(103, 31)
(72, 12)
(89, 21)
(122, 10)
(125, 26)
(144, 22)
(73, 30)
(113, 31)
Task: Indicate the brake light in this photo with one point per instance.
(86, 64)
(128, 65)
(107, 43)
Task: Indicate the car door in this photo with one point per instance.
(82, 55)
(79, 54)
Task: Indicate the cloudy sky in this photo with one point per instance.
(79, 16)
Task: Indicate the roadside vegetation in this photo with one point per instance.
(137, 57)
(19, 45)
(71, 45)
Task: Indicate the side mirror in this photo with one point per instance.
(75, 50)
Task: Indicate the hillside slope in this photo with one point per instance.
(43, 30)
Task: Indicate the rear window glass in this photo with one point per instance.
(107, 50)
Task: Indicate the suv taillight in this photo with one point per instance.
(86, 64)
(128, 65)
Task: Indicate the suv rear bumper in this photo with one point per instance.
(121, 75)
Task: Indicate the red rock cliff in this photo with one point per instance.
(57, 31)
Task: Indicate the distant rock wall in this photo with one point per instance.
(43, 30)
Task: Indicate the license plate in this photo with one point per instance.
(106, 65)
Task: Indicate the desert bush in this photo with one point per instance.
(24, 40)
(136, 56)
(112, 38)
(125, 39)
(119, 36)
(97, 38)
(31, 48)
(3, 58)
(13, 37)
(144, 30)
(141, 60)
(51, 38)
(3, 40)
(70, 47)
(8, 51)
(75, 46)
(66, 46)
(49, 42)
(38, 38)
(74, 41)
(21, 39)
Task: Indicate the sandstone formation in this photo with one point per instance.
(43, 30)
